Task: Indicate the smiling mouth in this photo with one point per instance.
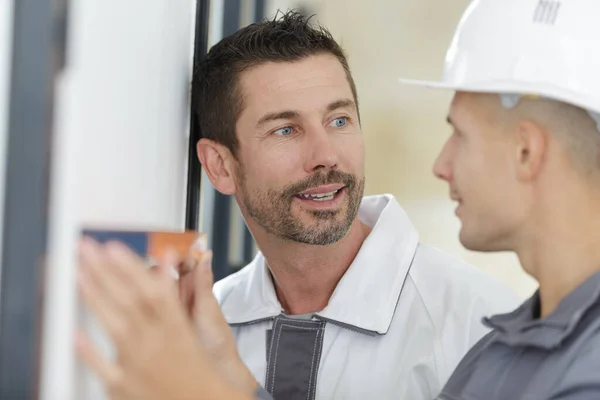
(320, 196)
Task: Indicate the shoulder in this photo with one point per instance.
(226, 286)
(440, 275)
(587, 358)
(455, 292)
(578, 371)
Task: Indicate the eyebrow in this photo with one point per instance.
(275, 116)
(343, 103)
(289, 114)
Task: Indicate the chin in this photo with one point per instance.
(472, 240)
(480, 242)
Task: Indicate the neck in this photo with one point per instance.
(563, 250)
(305, 276)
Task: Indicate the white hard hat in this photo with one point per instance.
(548, 48)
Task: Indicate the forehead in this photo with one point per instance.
(311, 83)
(473, 109)
(463, 104)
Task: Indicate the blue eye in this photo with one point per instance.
(284, 131)
(340, 122)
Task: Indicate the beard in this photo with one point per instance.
(272, 209)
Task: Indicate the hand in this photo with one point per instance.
(158, 356)
(213, 331)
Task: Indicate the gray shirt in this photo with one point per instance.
(528, 358)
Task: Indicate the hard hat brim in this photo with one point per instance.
(499, 87)
(430, 84)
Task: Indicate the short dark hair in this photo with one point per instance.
(215, 85)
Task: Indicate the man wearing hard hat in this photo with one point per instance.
(523, 164)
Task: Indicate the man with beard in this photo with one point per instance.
(341, 284)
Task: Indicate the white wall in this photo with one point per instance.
(119, 153)
(6, 25)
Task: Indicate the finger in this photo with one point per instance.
(187, 283)
(127, 264)
(111, 317)
(155, 270)
(104, 275)
(134, 270)
(106, 371)
(93, 258)
(141, 283)
(152, 291)
(205, 278)
(196, 253)
(176, 282)
(168, 265)
(205, 305)
(213, 330)
(187, 266)
(164, 273)
(186, 292)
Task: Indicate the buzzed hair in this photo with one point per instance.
(572, 126)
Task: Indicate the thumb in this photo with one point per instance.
(206, 309)
(212, 327)
(203, 282)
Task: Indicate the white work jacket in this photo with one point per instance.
(396, 326)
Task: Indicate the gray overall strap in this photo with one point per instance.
(293, 357)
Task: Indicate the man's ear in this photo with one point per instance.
(531, 149)
(218, 162)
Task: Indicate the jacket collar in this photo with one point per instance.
(522, 327)
(365, 298)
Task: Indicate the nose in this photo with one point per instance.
(443, 167)
(321, 150)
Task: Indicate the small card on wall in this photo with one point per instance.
(151, 245)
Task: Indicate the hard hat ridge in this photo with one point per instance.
(510, 100)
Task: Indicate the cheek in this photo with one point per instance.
(491, 179)
(467, 165)
(350, 151)
(476, 174)
(272, 167)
